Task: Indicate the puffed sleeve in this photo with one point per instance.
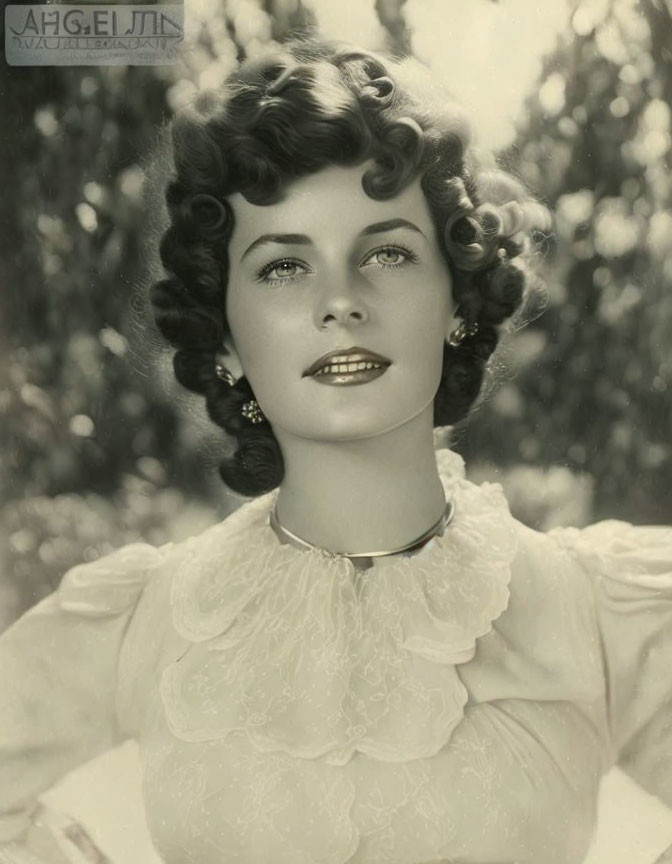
(632, 571)
(58, 679)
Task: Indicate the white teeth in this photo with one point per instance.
(344, 368)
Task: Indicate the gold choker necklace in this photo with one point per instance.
(436, 529)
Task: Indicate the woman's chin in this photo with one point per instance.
(335, 432)
(356, 423)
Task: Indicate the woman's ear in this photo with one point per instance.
(228, 357)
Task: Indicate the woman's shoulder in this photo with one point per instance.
(115, 581)
(583, 576)
(610, 549)
(111, 584)
(619, 551)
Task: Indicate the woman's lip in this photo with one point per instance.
(348, 355)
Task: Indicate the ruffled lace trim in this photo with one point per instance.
(310, 656)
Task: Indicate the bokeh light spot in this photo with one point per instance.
(82, 425)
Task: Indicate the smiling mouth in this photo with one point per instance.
(353, 366)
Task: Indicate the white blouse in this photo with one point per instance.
(456, 707)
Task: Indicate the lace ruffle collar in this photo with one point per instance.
(310, 656)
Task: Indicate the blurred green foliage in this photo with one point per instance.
(100, 446)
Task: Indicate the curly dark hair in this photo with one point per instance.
(308, 105)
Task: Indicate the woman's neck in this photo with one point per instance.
(365, 495)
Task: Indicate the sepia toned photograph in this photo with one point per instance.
(336, 432)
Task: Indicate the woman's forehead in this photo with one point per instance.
(330, 200)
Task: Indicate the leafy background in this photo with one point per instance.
(99, 446)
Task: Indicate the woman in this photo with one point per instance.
(375, 662)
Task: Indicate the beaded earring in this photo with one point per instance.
(252, 412)
(250, 409)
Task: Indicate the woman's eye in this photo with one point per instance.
(279, 271)
(284, 268)
(390, 256)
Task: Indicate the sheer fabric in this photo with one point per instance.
(460, 705)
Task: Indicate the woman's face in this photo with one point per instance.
(330, 271)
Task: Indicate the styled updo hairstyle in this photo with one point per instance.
(309, 105)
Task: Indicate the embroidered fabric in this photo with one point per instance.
(312, 657)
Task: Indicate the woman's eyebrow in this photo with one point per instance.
(389, 225)
(276, 238)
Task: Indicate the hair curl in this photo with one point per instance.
(309, 105)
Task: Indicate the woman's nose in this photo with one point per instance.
(341, 302)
